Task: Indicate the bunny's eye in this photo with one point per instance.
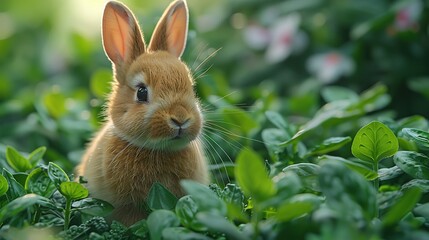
(142, 94)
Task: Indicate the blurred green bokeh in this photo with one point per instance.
(256, 55)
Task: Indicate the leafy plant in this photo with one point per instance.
(42, 197)
(315, 122)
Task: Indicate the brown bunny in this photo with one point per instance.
(153, 125)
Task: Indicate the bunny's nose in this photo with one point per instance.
(181, 124)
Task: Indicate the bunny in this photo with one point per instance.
(154, 120)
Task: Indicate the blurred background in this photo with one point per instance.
(249, 55)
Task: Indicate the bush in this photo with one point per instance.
(316, 122)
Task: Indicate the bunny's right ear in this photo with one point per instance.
(171, 32)
(122, 38)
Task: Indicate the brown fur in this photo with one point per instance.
(135, 147)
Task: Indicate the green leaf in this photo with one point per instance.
(422, 210)
(355, 164)
(423, 184)
(235, 202)
(55, 103)
(415, 121)
(407, 145)
(307, 172)
(276, 119)
(18, 162)
(38, 182)
(287, 184)
(333, 112)
(160, 220)
(205, 198)
(239, 117)
(336, 93)
(140, 229)
(100, 83)
(347, 191)
(389, 173)
(4, 186)
(15, 189)
(36, 155)
(186, 211)
(418, 136)
(57, 174)
(237, 213)
(297, 206)
(413, 163)
(329, 145)
(180, 233)
(372, 99)
(20, 204)
(303, 169)
(160, 197)
(272, 138)
(21, 178)
(233, 194)
(374, 142)
(73, 190)
(252, 176)
(217, 223)
(93, 207)
(402, 207)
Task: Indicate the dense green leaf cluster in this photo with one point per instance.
(292, 156)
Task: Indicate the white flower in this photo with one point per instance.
(407, 16)
(328, 67)
(256, 36)
(281, 40)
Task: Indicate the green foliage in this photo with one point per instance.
(18, 162)
(252, 176)
(374, 142)
(347, 191)
(414, 164)
(73, 190)
(160, 198)
(38, 182)
(45, 197)
(160, 220)
(20, 204)
(418, 136)
(4, 186)
(402, 207)
(303, 187)
(293, 154)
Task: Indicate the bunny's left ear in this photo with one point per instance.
(172, 29)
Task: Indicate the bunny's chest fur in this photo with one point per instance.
(131, 171)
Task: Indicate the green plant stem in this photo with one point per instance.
(37, 215)
(376, 186)
(255, 221)
(67, 212)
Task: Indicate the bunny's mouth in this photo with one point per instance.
(177, 137)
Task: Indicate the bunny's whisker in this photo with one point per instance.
(202, 74)
(200, 50)
(207, 142)
(207, 58)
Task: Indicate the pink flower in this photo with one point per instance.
(281, 40)
(407, 16)
(328, 67)
(257, 37)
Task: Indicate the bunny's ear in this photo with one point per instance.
(172, 29)
(122, 38)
